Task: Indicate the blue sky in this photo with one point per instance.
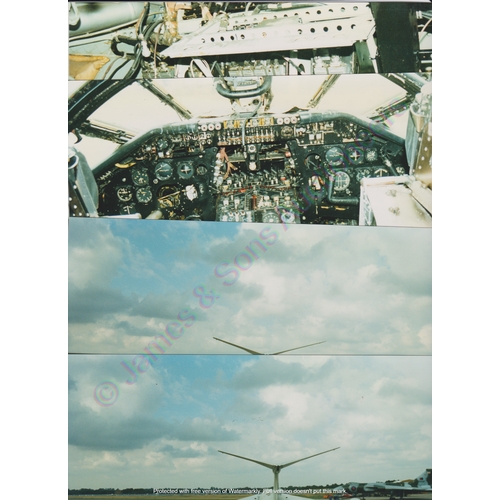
(165, 429)
(361, 290)
(365, 292)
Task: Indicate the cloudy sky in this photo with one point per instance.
(165, 428)
(360, 290)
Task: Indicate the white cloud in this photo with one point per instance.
(95, 254)
(274, 409)
(425, 336)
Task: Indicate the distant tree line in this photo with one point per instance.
(181, 491)
(111, 491)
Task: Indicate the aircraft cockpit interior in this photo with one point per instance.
(202, 121)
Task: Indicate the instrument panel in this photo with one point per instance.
(298, 168)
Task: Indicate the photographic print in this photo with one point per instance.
(139, 286)
(127, 40)
(249, 281)
(166, 430)
(337, 150)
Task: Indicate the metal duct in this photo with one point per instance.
(99, 16)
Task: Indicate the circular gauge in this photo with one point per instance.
(371, 154)
(342, 181)
(335, 156)
(163, 170)
(169, 196)
(124, 193)
(356, 154)
(128, 209)
(185, 170)
(201, 170)
(144, 195)
(400, 170)
(381, 172)
(313, 162)
(286, 132)
(270, 217)
(362, 173)
(162, 144)
(140, 177)
(363, 136)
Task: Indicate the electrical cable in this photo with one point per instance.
(118, 69)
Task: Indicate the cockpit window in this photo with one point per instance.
(136, 110)
(310, 113)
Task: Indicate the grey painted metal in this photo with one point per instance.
(321, 26)
(98, 16)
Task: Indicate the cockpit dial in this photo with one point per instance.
(185, 170)
(314, 175)
(124, 193)
(341, 182)
(356, 154)
(169, 197)
(144, 195)
(163, 171)
(371, 154)
(335, 156)
(140, 177)
(380, 172)
(313, 162)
